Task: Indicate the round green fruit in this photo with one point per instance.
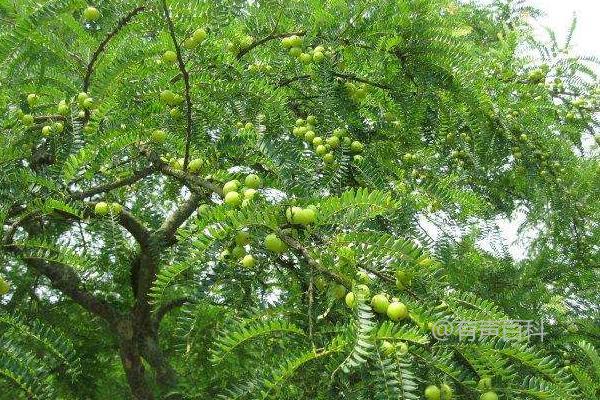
(380, 303)
(195, 165)
(328, 158)
(318, 56)
(199, 35)
(338, 291)
(28, 119)
(446, 392)
(333, 141)
(432, 392)
(32, 99)
(88, 103)
(305, 216)
(387, 348)
(363, 277)
(159, 136)
(242, 238)
(249, 194)
(230, 186)
(362, 291)
(309, 136)
(91, 14)
(4, 286)
(233, 199)
(116, 208)
(46, 130)
(357, 146)
(300, 122)
(190, 43)
(305, 58)
(291, 212)
(286, 42)
(296, 41)
(81, 97)
(397, 311)
(248, 261)
(402, 348)
(58, 127)
(238, 251)
(63, 108)
(167, 96)
(295, 52)
(485, 383)
(101, 208)
(489, 396)
(274, 244)
(253, 181)
(311, 119)
(321, 150)
(318, 140)
(350, 299)
(169, 56)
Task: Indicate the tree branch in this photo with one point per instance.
(186, 80)
(167, 230)
(272, 36)
(137, 176)
(168, 307)
(362, 80)
(90, 68)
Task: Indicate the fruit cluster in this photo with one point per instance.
(172, 100)
(195, 39)
(357, 92)
(294, 46)
(301, 216)
(231, 191)
(103, 208)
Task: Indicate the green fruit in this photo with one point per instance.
(363, 277)
(295, 51)
(305, 58)
(397, 311)
(286, 42)
(242, 238)
(233, 199)
(317, 141)
(321, 150)
(101, 208)
(169, 56)
(338, 291)
(91, 14)
(300, 122)
(291, 212)
(159, 136)
(432, 392)
(339, 132)
(81, 97)
(46, 130)
(318, 56)
(166, 96)
(249, 194)
(32, 99)
(446, 392)
(402, 348)
(380, 303)
(387, 348)
(311, 119)
(320, 283)
(246, 41)
(362, 291)
(296, 41)
(58, 127)
(190, 43)
(4, 286)
(63, 108)
(357, 146)
(358, 158)
(350, 299)
(333, 141)
(202, 209)
(175, 113)
(328, 158)
(230, 186)
(253, 181)
(27, 119)
(116, 208)
(249, 125)
(485, 383)
(305, 216)
(248, 261)
(195, 165)
(274, 244)
(238, 252)
(88, 103)
(489, 396)
(309, 136)
(199, 35)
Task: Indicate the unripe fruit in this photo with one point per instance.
(249, 194)
(328, 158)
(321, 150)
(446, 392)
(489, 396)
(311, 119)
(27, 119)
(362, 291)
(357, 146)
(317, 141)
(397, 311)
(295, 51)
(242, 238)
(387, 348)
(63, 108)
(402, 348)
(159, 136)
(4, 286)
(333, 141)
(88, 103)
(358, 158)
(101, 208)
(116, 208)
(190, 43)
(380, 303)
(248, 261)
(167, 96)
(230, 186)
(58, 127)
(32, 99)
(169, 56)
(46, 130)
(338, 291)
(253, 181)
(199, 35)
(296, 41)
(238, 252)
(91, 14)
(292, 212)
(175, 113)
(286, 42)
(309, 136)
(305, 216)
(300, 122)
(350, 299)
(485, 383)
(432, 392)
(233, 199)
(81, 97)
(305, 58)
(318, 56)
(274, 244)
(249, 125)
(195, 165)
(339, 132)
(363, 277)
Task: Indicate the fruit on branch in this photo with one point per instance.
(249, 194)
(199, 35)
(175, 113)
(357, 146)
(242, 238)
(233, 199)
(195, 165)
(32, 99)
(321, 150)
(238, 252)
(231, 186)
(248, 126)
(159, 136)
(248, 261)
(311, 120)
(4, 286)
(88, 103)
(101, 208)
(295, 51)
(380, 303)
(274, 244)
(317, 141)
(253, 181)
(301, 216)
(397, 311)
(432, 392)
(189, 43)
(296, 41)
(362, 291)
(305, 58)
(81, 98)
(339, 132)
(63, 108)
(318, 56)
(58, 127)
(338, 291)
(333, 141)
(489, 396)
(27, 119)
(300, 122)
(387, 348)
(169, 56)
(446, 392)
(358, 158)
(402, 348)
(309, 136)
(116, 208)
(485, 383)
(350, 299)
(46, 130)
(91, 14)
(167, 96)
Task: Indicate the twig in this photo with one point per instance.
(362, 80)
(272, 36)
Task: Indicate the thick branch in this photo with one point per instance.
(168, 307)
(167, 230)
(186, 80)
(264, 40)
(90, 68)
(137, 176)
(128, 221)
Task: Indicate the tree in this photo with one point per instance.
(193, 190)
